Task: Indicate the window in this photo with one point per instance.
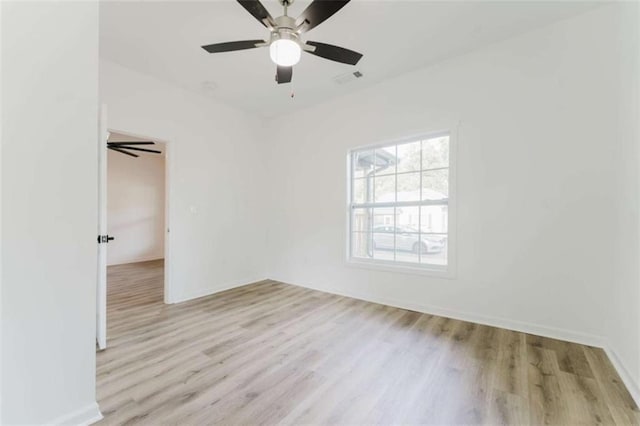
(399, 203)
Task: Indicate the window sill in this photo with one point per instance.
(430, 270)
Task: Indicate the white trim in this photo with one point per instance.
(631, 384)
(101, 221)
(138, 260)
(211, 291)
(168, 287)
(426, 134)
(81, 417)
(452, 209)
(400, 267)
(520, 326)
(417, 203)
(1, 351)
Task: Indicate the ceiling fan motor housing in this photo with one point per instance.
(285, 29)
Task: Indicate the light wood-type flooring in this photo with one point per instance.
(271, 353)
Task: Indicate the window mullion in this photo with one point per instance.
(395, 237)
(402, 204)
(420, 210)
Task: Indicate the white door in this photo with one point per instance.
(101, 311)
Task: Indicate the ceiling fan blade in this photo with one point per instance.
(258, 11)
(230, 46)
(284, 74)
(334, 53)
(132, 143)
(130, 148)
(122, 151)
(318, 12)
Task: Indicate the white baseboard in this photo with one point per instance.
(209, 291)
(524, 327)
(81, 417)
(632, 385)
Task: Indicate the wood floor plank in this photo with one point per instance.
(272, 353)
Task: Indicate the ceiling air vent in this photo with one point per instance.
(348, 77)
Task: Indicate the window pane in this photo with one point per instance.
(383, 216)
(434, 249)
(407, 244)
(435, 152)
(385, 189)
(385, 160)
(383, 233)
(361, 245)
(434, 219)
(360, 193)
(361, 220)
(435, 185)
(408, 217)
(362, 163)
(409, 157)
(409, 186)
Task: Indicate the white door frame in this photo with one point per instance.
(168, 294)
(101, 282)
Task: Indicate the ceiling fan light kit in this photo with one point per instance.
(285, 52)
(285, 42)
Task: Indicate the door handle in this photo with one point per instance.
(105, 239)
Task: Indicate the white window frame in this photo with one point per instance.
(448, 271)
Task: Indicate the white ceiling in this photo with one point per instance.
(163, 39)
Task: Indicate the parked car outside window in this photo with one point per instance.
(406, 239)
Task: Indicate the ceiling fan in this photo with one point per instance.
(285, 42)
(124, 147)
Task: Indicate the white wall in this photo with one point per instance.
(49, 210)
(538, 183)
(623, 315)
(135, 207)
(217, 212)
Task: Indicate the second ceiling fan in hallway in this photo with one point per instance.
(125, 147)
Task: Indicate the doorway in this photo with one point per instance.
(135, 223)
